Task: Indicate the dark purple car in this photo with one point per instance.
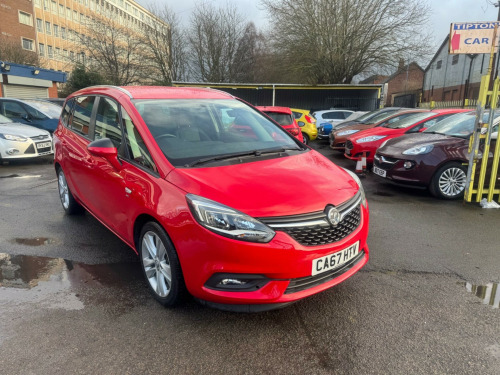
(435, 159)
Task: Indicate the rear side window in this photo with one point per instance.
(66, 112)
(297, 115)
(107, 123)
(81, 115)
(13, 110)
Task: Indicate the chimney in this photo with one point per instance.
(401, 64)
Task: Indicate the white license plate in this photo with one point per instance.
(43, 145)
(379, 171)
(335, 260)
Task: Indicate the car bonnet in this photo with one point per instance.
(275, 187)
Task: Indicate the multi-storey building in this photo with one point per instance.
(55, 28)
(17, 23)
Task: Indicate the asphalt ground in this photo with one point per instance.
(73, 300)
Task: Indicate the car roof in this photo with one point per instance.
(452, 110)
(156, 92)
(270, 108)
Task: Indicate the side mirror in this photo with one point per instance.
(301, 123)
(26, 117)
(421, 130)
(105, 149)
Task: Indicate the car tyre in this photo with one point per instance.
(70, 205)
(306, 138)
(160, 265)
(449, 181)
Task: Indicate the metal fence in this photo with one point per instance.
(467, 103)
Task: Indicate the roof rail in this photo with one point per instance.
(114, 87)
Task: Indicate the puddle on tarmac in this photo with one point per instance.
(489, 293)
(26, 272)
(38, 241)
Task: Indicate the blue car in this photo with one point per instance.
(38, 113)
(324, 130)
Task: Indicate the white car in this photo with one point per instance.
(19, 141)
(332, 116)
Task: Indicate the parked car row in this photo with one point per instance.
(418, 148)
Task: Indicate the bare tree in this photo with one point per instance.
(13, 52)
(165, 42)
(338, 39)
(214, 37)
(113, 46)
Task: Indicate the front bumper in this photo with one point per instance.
(32, 148)
(418, 176)
(284, 262)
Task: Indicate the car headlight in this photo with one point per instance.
(347, 132)
(419, 150)
(228, 222)
(11, 137)
(371, 138)
(361, 190)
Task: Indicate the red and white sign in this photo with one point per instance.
(473, 37)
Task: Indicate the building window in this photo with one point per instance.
(75, 16)
(54, 7)
(68, 13)
(454, 60)
(82, 18)
(38, 3)
(65, 53)
(27, 44)
(39, 25)
(47, 28)
(61, 10)
(438, 64)
(63, 32)
(41, 49)
(56, 30)
(72, 55)
(25, 18)
(50, 52)
(58, 53)
(46, 5)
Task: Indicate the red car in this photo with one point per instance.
(284, 117)
(210, 210)
(369, 140)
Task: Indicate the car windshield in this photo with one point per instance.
(280, 118)
(410, 120)
(378, 117)
(51, 110)
(190, 131)
(5, 120)
(459, 125)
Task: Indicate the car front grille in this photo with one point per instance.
(40, 137)
(348, 145)
(384, 162)
(303, 283)
(43, 150)
(314, 229)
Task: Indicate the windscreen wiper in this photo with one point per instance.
(255, 153)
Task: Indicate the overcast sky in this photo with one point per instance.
(443, 12)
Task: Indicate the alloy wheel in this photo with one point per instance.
(156, 264)
(452, 181)
(63, 190)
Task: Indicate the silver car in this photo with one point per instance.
(19, 141)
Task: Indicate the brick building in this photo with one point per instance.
(404, 86)
(16, 24)
(453, 77)
(54, 28)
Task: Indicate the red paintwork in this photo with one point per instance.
(293, 128)
(371, 147)
(263, 188)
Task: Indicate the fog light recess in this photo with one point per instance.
(408, 164)
(236, 282)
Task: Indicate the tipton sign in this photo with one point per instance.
(472, 37)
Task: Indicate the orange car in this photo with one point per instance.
(339, 137)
